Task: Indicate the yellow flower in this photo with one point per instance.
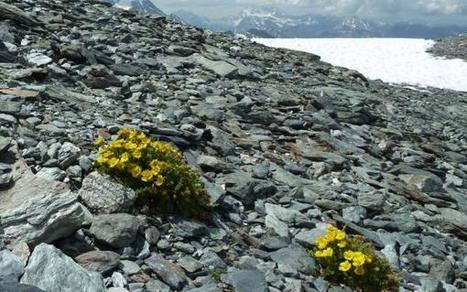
(99, 141)
(340, 235)
(358, 259)
(113, 162)
(328, 252)
(348, 255)
(318, 254)
(135, 170)
(125, 157)
(137, 154)
(101, 160)
(322, 242)
(368, 259)
(160, 180)
(345, 266)
(146, 175)
(342, 244)
(359, 270)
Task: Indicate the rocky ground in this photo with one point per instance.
(286, 144)
(452, 47)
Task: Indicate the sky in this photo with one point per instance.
(423, 11)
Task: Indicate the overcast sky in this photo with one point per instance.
(446, 11)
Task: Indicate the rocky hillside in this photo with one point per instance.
(286, 144)
(452, 48)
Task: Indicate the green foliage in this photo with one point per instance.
(156, 171)
(351, 261)
(216, 273)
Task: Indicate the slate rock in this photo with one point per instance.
(102, 195)
(11, 267)
(246, 280)
(170, 273)
(99, 261)
(36, 210)
(17, 287)
(117, 230)
(51, 270)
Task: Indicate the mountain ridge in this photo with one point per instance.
(277, 24)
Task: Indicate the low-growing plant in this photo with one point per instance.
(163, 181)
(351, 261)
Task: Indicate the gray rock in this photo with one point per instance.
(279, 227)
(118, 280)
(49, 269)
(99, 261)
(295, 258)
(38, 59)
(11, 267)
(190, 264)
(171, 274)
(17, 287)
(373, 201)
(425, 183)
(102, 195)
(4, 143)
(246, 280)
(51, 173)
(157, 286)
(68, 154)
(307, 238)
(454, 217)
(129, 267)
(36, 210)
(220, 68)
(117, 230)
(190, 229)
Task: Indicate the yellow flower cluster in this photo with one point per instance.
(336, 238)
(350, 260)
(155, 168)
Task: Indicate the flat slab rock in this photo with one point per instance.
(37, 210)
(53, 271)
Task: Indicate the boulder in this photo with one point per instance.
(51, 270)
(37, 210)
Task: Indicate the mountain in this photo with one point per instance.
(146, 6)
(274, 23)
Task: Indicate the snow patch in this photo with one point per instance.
(402, 61)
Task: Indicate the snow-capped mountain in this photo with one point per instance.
(274, 23)
(146, 6)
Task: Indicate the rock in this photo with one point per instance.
(118, 280)
(372, 201)
(171, 274)
(189, 229)
(117, 230)
(38, 59)
(294, 258)
(246, 280)
(17, 287)
(11, 267)
(307, 238)
(51, 173)
(129, 267)
(279, 227)
(49, 269)
(4, 143)
(157, 286)
(99, 261)
(424, 183)
(190, 264)
(36, 210)
(102, 195)
(454, 217)
(220, 68)
(127, 69)
(68, 154)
